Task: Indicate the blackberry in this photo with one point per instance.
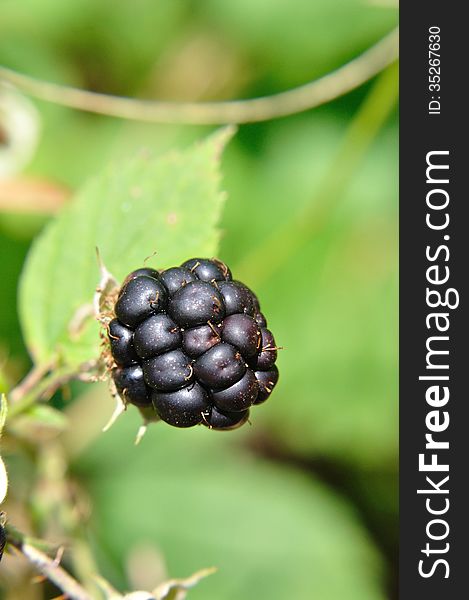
(220, 367)
(239, 396)
(208, 270)
(3, 540)
(260, 319)
(143, 271)
(156, 335)
(131, 385)
(169, 371)
(197, 340)
(140, 298)
(267, 355)
(121, 340)
(197, 303)
(267, 380)
(237, 298)
(192, 345)
(176, 278)
(182, 408)
(225, 421)
(242, 332)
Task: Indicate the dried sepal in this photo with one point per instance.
(120, 407)
(106, 290)
(173, 589)
(149, 415)
(104, 300)
(176, 589)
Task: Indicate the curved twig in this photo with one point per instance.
(49, 568)
(312, 94)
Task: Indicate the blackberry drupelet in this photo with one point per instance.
(193, 343)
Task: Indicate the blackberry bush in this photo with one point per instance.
(192, 344)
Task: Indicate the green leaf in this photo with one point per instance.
(271, 531)
(168, 205)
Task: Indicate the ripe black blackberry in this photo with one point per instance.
(193, 344)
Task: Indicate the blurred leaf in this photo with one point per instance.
(287, 168)
(11, 343)
(271, 531)
(339, 366)
(333, 306)
(297, 40)
(3, 383)
(40, 422)
(92, 44)
(3, 411)
(3, 471)
(3, 481)
(19, 130)
(25, 196)
(169, 205)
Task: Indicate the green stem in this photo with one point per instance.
(328, 87)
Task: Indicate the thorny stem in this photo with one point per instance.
(312, 94)
(47, 566)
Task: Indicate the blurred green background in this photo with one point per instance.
(303, 504)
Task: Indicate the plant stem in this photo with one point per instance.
(312, 94)
(43, 387)
(47, 566)
(29, 382)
